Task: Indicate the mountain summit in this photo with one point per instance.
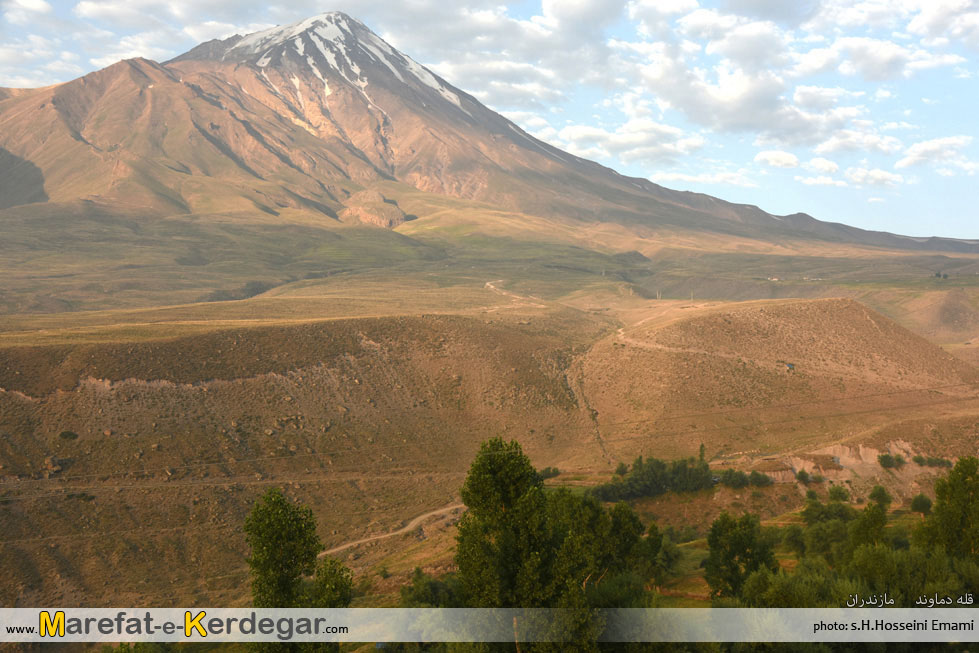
(334, 47)
(314, 117)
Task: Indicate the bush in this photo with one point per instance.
(734, 479)
(760, 480)
(68, 435)
(811, 495)
(931, 461)
(622, 469)
(802, 476)
(818, 478)
(887, 461)
(922, 504)
(838, 493)
(880, 495)
(549, 472)
(653, 477)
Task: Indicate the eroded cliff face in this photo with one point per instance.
(370, 207)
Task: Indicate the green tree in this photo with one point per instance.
(737, 548)
(331, 586)
(425, 591)
(921, 503)
(284, 548)
(868, 528)
(502, 536)
(880, 495)
(284, 544)
(802, 476)
(838, 493)
(954, 519)
(903, 574)
(519, 546)
(813, 584)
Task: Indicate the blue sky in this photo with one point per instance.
(853, 111)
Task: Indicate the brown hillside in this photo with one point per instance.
(721, 375)
(370, 421)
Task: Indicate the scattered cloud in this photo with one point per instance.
(729, 178)
(777, 159)
(821, 180)
(858, 141)
(946, 151)
(638, 140)
(873, 177)
(823, 165)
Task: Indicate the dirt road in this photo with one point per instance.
(412, 525)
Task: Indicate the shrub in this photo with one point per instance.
(838, 493)
(549, 472)
(932, 461)
(68, 435)
(887, 461)
(734, 478)
(653, 477)
(802, 476)
(622, 469)
(760, 480)
(880, 495)
(922, 504)
(818, 478)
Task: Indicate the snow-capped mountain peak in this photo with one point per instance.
(328, 46)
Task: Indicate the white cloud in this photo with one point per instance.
(730, 178)
(823, 165)
(855, 140)
(213, 29)
(813, 62)
(24, 12)
(777, 159)
(752, 46)
(821, 97)
(780, 11)
(653, 16)
(821, 180)
(865, 14)
(874, 200)
(953, 19)
(636, 140)
(946, 150)
(873, 177)
(156, 45)
(877, 59)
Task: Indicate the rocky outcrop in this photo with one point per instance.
(370, 207)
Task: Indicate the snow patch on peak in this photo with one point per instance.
(342, 42)
(428, 79)
(269, 38)
(316, 71)
(376, 52)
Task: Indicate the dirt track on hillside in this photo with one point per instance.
(410, 526)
